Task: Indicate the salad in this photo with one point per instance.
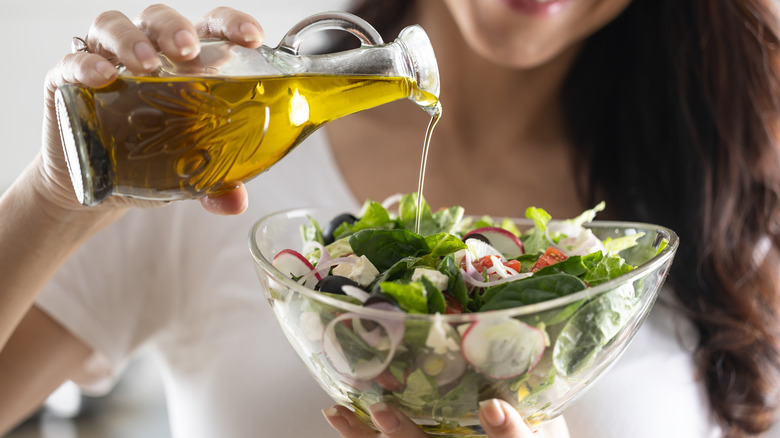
(437, 370)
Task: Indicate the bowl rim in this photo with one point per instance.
(662, 257)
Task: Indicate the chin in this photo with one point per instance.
(526, 34)
(520, 53)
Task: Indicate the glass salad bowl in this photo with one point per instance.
(437, 367)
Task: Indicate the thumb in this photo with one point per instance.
(500, 420)
(232, 202)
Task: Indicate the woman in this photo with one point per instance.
(670, 112)
(556, 104)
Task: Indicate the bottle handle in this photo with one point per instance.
(291, 43)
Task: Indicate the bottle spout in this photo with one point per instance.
(423, 66)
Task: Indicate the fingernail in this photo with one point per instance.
(336, 421)
(105, 69)
(250, 32)
(384, 418)
(146, 55)
(492, 411)
(186, 42)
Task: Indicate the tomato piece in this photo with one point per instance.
(550, 257)
(452, 305)
(483, 263)
(513, 264)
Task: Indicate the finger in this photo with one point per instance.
(500, 420)
(170, 31)
(347, 424)
(393, 423)
(82, 68)
(228, 23)
(113, 35)
(232, 202)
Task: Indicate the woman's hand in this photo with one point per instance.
(113, 39)
(497, 417)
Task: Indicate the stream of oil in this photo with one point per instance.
(423, 162)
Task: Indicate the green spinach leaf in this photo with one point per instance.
(386, 247)
(531, 290)
(457, 285)
(435, 298)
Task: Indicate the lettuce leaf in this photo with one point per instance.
(620, 243)
(411, 297)
(535, 240)
(373, 215)
(443, 221)
(603, 268)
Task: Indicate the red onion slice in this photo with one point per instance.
(362, 370)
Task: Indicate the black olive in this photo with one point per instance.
(327, 235)
(381, 299)
(478, 237)
(333, 283)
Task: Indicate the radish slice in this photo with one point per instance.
(294, 264)
(502, 348)
(387, 333)
(503, 240)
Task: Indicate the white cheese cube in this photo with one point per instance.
(361, 272)
(438, 279)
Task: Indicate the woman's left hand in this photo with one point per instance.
(497, 417)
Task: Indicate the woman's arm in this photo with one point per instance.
(36, 353)
(41, 223)
(36, 236)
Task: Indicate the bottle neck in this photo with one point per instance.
(406, 58)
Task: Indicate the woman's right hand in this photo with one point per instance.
(114, 39)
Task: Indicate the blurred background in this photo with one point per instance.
(38, 33)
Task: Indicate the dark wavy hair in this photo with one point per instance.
(676, 106)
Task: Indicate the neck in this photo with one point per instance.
(509, 106)
(501, 127)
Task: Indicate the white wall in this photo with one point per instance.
(37, 33)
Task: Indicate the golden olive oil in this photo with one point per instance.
(185, 137)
